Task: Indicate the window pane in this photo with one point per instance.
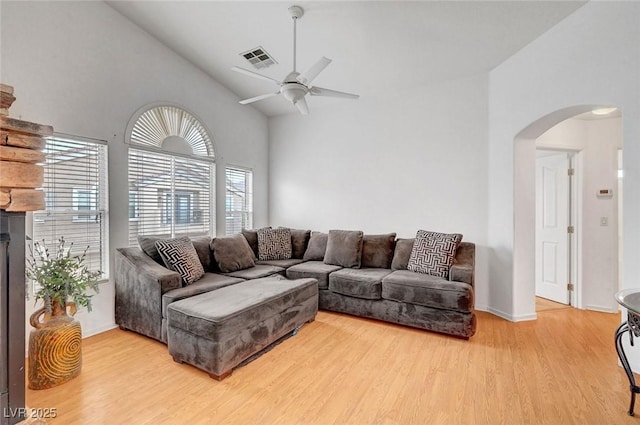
(238, 200)
(75, 185)
(192, 195)
(173, 195)
(134, 211)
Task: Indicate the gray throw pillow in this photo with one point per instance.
(299, 242)
(148, 246)
(232, 253)
(401, 254)
(316, 247)
(274, 244)
(377, 250)
(344, 248)
(180, 256)
(202, 244)
(251, 235)
(433, 253)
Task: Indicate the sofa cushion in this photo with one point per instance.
(258, 271)
(401, 254)
(463, 266)
(359, 283)
(251, 235)
(433, 253)
(232, 253)
(344, 248)
(274, 244)
(281, 263)
(148, 246)
(315, 269)
(427, 290)
(299, 242)
(209, 282)
(317, 247)
(180, 256)
(223, 314)
(202, 244)
(377, 250)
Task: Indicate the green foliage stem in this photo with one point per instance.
(62, 277)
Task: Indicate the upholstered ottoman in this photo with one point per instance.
(217, 330)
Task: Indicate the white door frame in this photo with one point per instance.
(576, 220)
(575, 200)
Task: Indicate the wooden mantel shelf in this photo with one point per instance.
(21, 143)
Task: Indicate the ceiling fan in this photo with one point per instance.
(295, 85)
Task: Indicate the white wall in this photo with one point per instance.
(397, 162)
(598, 142)
(590, 58)
(85, 69)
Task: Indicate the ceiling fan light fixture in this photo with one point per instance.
(603, 111)
(293, 91)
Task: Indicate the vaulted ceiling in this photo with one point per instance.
(376, 46)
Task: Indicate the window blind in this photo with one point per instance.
(169, 195)
(238, 199)
(75, 185)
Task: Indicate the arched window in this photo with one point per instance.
(171, 175)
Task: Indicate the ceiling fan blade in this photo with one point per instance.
(255, 74)
(319, 91)
(257, 98)
(310, 74)
(302, 106)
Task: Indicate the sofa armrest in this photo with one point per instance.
(463, 268)
(140, 283)
(147, 269)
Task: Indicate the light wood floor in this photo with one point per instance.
(560, 369)
(543, 304)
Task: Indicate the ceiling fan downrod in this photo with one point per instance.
(296, 13)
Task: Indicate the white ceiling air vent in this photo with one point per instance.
(259, 58)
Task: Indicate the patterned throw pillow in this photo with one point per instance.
(251, 235)
(274, 244)
(299, 241)
(433, 253)
(180, 256)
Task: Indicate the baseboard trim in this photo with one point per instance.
(526, 317)
(99, 330)
(507, 316)
(602, 308)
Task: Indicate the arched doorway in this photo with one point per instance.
(525, 215)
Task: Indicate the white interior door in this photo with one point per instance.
(552, 219)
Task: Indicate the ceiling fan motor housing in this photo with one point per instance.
(296, 12)
(294, 91)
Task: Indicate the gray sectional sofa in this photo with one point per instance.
(382, 288)
(372, 281)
